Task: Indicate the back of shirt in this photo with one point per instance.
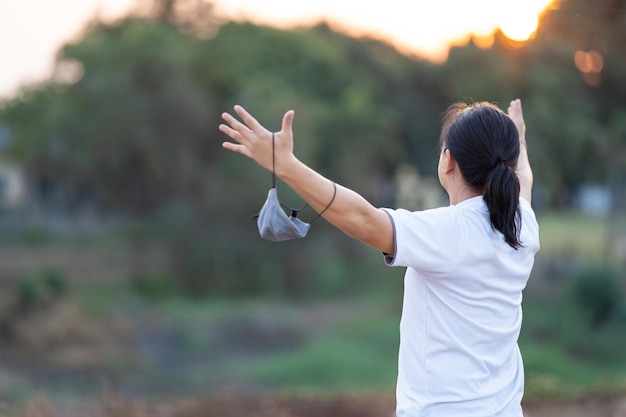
(461, 313)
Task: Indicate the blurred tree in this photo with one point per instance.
(597, 293)
(598, 25)
(134, 107)
(134, 123)
(134, 126)
(139, 124)
(195, 17)
(592, 37)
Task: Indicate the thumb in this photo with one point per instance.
(288, 121)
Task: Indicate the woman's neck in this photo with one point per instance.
(461, 193)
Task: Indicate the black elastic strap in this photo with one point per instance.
(273, 164)
(294, 212)
(327, 206)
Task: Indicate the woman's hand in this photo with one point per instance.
(523, 170)
(255, 141)
(515, 113)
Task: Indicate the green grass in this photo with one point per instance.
(565, 357)
(355, 355)
(570, 232)
(591, 237)
(554, 374)
(347, 344)
(97, 301)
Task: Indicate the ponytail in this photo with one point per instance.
(501, 194)
(485, 143)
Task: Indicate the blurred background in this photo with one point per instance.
(130, 271)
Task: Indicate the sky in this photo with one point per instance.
(32, 31)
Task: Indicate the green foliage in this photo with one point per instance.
(563, 325)
(597, 293)
(355, 355)
(29, 291)
(36, 235)
(41, 287)
(552, 374)
(565, 358)
(565, 354)
(97, 301)
(139, 126)
(152, 285)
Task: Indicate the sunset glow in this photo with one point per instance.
(590, 64)
(35, 29)
(426, 29)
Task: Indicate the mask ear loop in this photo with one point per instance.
(294, 212)
(328, 205)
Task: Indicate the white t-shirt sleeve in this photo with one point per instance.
(428, 240)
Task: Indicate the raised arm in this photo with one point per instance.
(349, 211)
(524, 172)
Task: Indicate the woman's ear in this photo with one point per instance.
(449, 163)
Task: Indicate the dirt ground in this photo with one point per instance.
(238, 405)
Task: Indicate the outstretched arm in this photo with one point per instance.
(524, 172)
(349, 211)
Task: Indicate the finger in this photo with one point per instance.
(236, 148)
(232, 133)
(514, 108)
(235, 124)
(250, 121)
(288, 121)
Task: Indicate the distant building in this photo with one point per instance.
(595, 199)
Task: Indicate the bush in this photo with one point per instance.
(597, 293)
(152, 285)
(41, 287)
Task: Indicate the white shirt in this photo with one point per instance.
(461, 314)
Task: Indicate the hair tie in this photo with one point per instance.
(499, 161)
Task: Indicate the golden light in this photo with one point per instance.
(521, 27)
(590, 64)
(484, 42)
(588, 61)
(519, 20)
(426, 29)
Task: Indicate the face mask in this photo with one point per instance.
(275, 225)
(272, 221)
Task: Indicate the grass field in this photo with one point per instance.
(590, 237)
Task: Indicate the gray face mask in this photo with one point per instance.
(272, 221)
(275, 225)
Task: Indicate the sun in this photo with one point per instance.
(520, 20)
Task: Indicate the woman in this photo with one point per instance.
(467, 263)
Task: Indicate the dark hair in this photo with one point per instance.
(484, 141)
